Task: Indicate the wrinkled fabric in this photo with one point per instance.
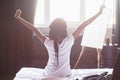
(102, 76)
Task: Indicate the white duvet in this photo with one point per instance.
(28, 73)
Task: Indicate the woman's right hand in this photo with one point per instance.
(18, 13)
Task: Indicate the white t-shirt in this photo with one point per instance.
(63, 68)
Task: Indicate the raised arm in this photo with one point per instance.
(86, 23)
(30, 26)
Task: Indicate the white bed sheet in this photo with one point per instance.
(28, 73)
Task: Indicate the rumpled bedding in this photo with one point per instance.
(29, 73)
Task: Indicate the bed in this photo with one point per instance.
(30, 73)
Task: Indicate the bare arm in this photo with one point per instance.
(30, 26)
(86, 23)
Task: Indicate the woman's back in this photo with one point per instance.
(60, 67)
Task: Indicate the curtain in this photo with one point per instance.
(16, 43)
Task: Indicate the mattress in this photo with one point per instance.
(29, 73)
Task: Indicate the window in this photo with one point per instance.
(48, 10)
(92, 6)
(73, 11)
(39, 13)
(67, 9)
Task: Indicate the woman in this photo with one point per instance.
(58, 44)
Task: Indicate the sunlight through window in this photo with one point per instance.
(92, 6)
(39, 13)
(73, 11)
(48, 10)
(67, 9)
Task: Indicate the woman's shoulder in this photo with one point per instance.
(70, 36)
